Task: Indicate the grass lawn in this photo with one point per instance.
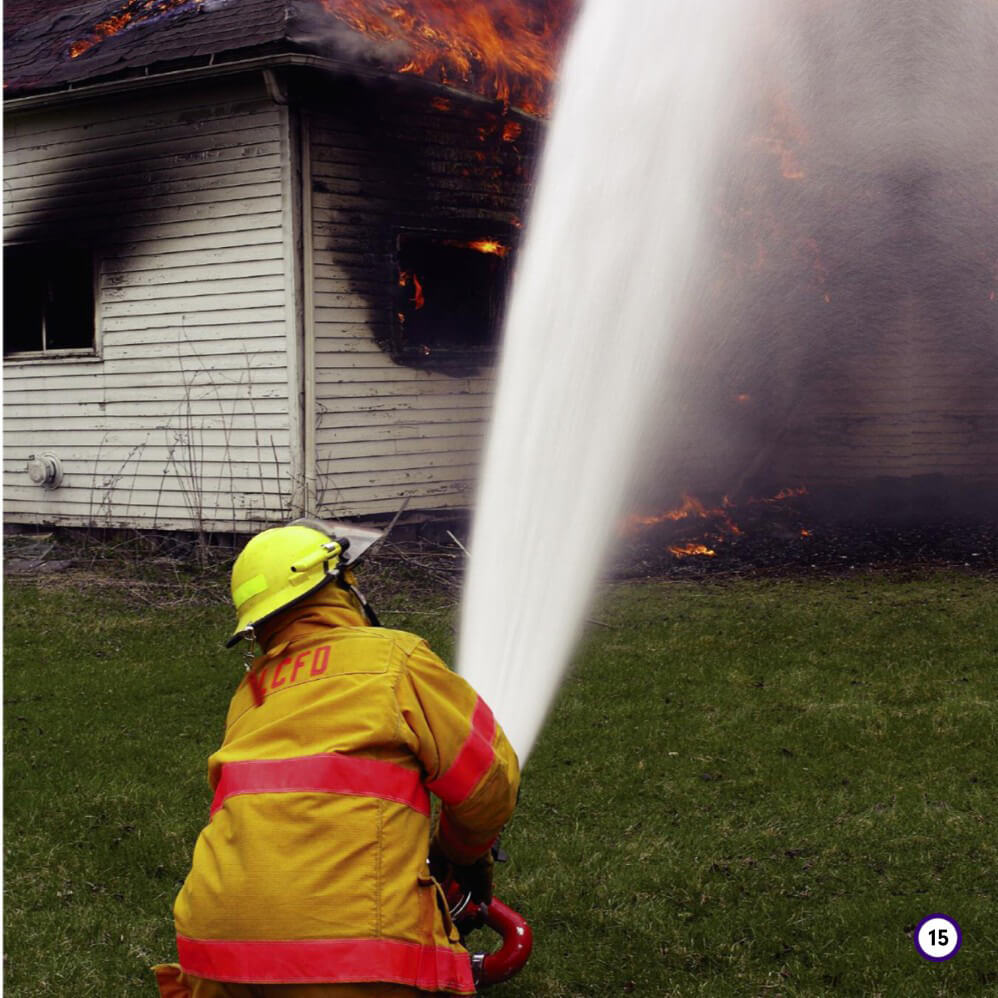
(752, 787)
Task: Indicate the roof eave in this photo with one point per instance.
(228, 65)
(211, 65)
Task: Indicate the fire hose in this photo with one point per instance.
(517, 937)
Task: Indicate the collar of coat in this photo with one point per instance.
(328, 607)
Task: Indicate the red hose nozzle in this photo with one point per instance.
(517, 942)
(517, 937)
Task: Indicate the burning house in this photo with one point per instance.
(261, 249)
(256, 252)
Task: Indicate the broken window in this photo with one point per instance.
(48, 302)
(451, 294)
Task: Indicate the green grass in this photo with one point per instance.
(746, 788)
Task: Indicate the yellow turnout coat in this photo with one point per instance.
(313, 865)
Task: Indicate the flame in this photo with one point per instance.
(489, 246)
(786, 134)
(691, 507)
(743, 398)
(506, 49)
(131, 12)
(687, 550)
(418, 299)
(511, 131)
(801, 490)
(722, 526)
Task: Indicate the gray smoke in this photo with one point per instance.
(847, 328)
(313, 27)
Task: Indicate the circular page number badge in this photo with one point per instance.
(938, 938)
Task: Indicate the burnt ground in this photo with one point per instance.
(423, 560)
(791, 537)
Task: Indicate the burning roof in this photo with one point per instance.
(504, 50)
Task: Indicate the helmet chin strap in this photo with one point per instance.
(249, 655)
(372, 617)
(249, 651)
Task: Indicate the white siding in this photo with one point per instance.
(384, 159)
(182, 419)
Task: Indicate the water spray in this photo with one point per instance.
(606, 274)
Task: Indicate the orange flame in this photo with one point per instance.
(511, 131)
(801, 490)
(722, 526)
(506, 49)
(489, 246)
(131, 12)
(688, 550)
(786, 135)
(418, 299)
(691, 507)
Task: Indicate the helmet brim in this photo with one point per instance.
(361, 538)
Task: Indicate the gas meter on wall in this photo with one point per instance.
(45, 470)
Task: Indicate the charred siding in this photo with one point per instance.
(383, 160)
(181, 418)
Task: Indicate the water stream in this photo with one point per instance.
(607, 271)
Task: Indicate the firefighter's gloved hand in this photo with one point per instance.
(476, 878)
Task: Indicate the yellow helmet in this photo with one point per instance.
(281, 566)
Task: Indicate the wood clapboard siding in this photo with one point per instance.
(382, 160)
(182, 418)
(901, 404)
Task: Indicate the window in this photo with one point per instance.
(48, 301)
(451, 295)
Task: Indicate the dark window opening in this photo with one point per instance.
(451, 295)
(48, 301)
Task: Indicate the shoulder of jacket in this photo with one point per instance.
(404, 641)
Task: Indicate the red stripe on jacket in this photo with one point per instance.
(329, 774)
(327, 961)
(473, 760)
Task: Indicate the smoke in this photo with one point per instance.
(848, 327)
(313, 27)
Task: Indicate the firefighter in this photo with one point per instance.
(312, 877)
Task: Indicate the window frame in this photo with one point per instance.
(45, 355)
(451, 354)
